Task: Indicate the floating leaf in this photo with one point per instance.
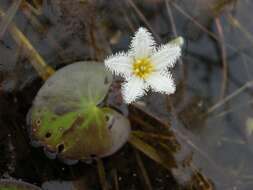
(65, 117)
(16, 185)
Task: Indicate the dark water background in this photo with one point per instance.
(208, 114)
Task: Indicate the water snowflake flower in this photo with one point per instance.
(145, 66)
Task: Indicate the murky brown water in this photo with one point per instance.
(210, 144)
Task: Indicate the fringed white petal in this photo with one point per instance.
(166, 56)
(161, 82)
(132, 89)
(142, 44)
(119, 64)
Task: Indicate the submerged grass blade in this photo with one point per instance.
(6, 20)
(149, 151)
(206, 30)
(236, 23)
(37, 10)
(102, 175)
(224, 60)
(144, 19)
(230, 96)
(143, 171)
(150, 135)
(36, 60)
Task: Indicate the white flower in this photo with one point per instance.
(145, 66)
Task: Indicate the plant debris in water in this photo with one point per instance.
(214, 91)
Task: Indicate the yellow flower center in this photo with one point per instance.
(143, 68)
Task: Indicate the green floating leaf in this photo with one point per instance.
(65, 118)
(16, 185)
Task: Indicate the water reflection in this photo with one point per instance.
(208, 113)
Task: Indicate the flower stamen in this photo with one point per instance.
(143, 68)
